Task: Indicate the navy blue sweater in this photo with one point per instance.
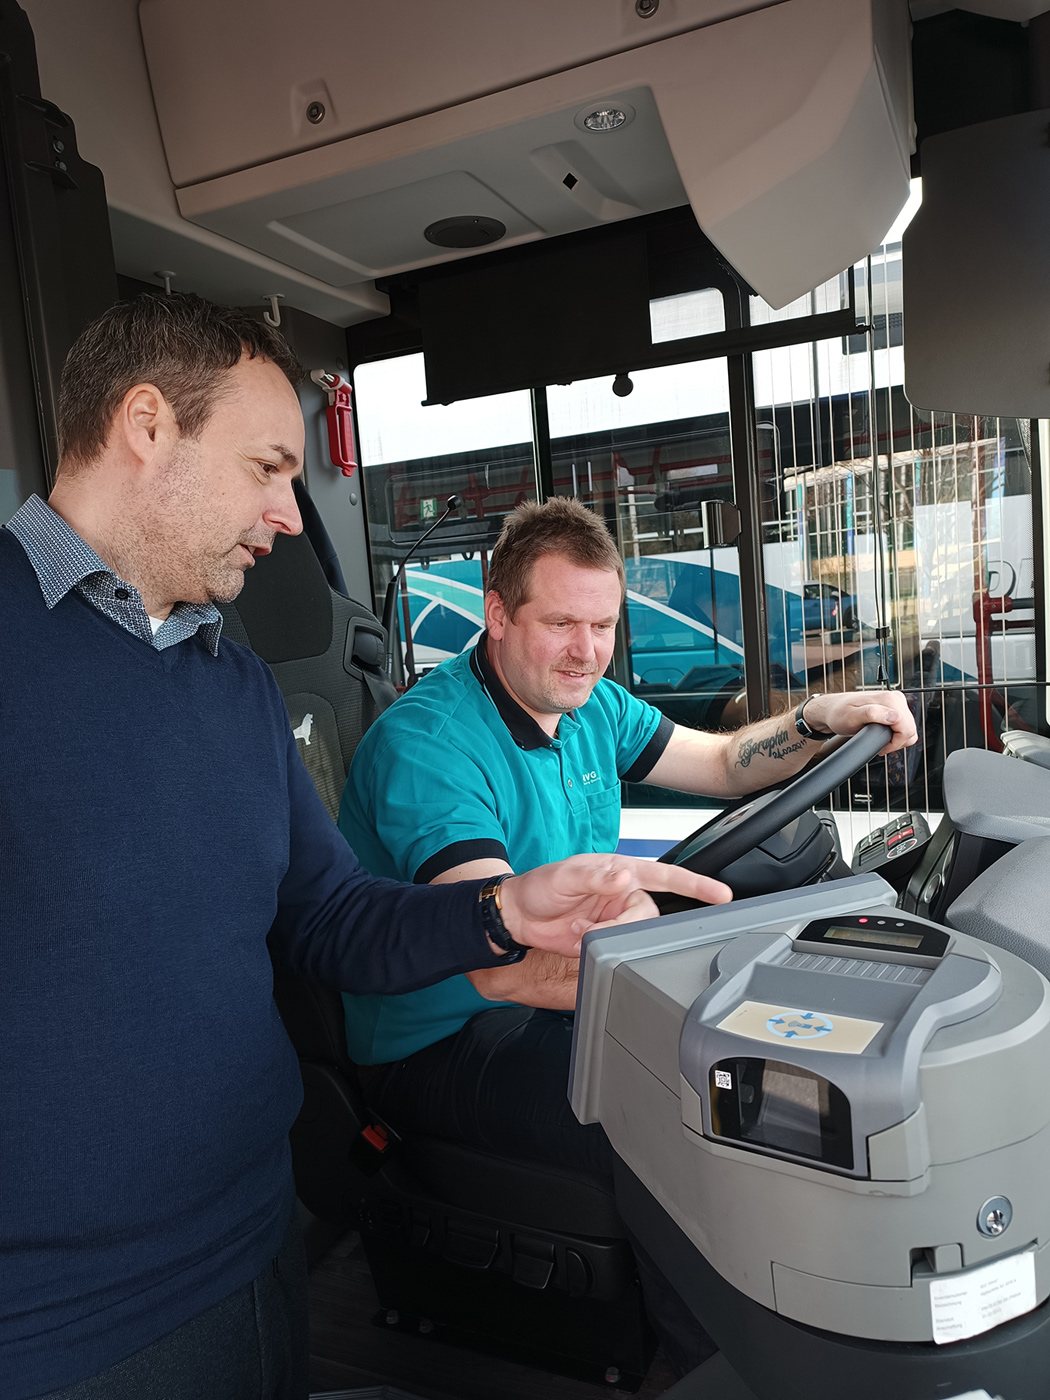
(155, 821)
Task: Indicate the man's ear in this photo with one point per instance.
(495, 616)
(144, 423)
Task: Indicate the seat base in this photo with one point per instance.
(606, 1342)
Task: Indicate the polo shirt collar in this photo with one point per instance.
(524, 730)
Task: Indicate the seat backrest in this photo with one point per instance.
(326, 653)
(325, 650)
(1007, 904)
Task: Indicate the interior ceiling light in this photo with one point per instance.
(605, 119)
(611, 115)
(465, 231)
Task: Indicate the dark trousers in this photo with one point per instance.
(501, 1084)
(254, 1345)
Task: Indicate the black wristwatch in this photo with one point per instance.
(806, 730)
(492, 921)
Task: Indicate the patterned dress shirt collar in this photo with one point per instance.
(64, 562)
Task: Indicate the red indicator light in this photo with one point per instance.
(862, 921)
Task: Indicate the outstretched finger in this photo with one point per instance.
(675, 879)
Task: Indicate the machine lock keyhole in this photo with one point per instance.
(994, 1216)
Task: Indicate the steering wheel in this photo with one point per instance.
(732, 834)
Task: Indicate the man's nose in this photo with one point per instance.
(282, 514)
(583, 643)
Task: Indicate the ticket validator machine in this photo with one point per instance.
(832, 1120)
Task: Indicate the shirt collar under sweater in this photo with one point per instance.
(63, 562)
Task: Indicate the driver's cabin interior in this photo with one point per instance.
(762, 283)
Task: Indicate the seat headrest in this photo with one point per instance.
(286, 603)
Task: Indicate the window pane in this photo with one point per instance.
(412, 459)
(648, 463)
(941, 520)
(831, 296)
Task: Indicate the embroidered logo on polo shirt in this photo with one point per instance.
(591, 777)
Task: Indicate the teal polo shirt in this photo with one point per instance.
(456, 770)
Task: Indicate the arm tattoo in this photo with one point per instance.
(776, 745)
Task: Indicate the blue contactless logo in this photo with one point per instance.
(800, 1025)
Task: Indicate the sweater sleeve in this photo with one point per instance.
(339, 924)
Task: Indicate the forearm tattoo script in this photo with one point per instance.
(776, 745)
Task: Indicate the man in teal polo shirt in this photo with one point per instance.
(509, 756)
(469, 776)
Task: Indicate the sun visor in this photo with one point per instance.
(976, 272)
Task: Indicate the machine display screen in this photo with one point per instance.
(886, 930)
(770, 1104)
(894, 939)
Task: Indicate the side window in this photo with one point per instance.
(413, 459)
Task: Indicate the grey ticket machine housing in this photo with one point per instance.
(835, 1102)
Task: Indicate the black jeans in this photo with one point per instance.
(501, 1084)
(254, 1345)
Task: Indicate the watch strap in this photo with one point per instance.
(806, 730)
(492, 920)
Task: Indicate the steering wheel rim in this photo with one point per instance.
(732, 834)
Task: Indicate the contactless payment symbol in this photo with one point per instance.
(800, 1025)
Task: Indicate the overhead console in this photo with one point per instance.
(395, 136)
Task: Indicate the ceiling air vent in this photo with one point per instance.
(464, 231)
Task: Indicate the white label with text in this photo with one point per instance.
(965, 1305)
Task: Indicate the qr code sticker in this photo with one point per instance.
(723, 1079)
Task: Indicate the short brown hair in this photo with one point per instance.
(560, 526)
(180, 342)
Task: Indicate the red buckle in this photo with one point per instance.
(376, 1136)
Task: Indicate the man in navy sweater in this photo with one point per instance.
(155, 823)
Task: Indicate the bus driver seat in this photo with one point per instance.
(507, 1255)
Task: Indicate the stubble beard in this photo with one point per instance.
(200, 572)
(555, 693)
(223, 576)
